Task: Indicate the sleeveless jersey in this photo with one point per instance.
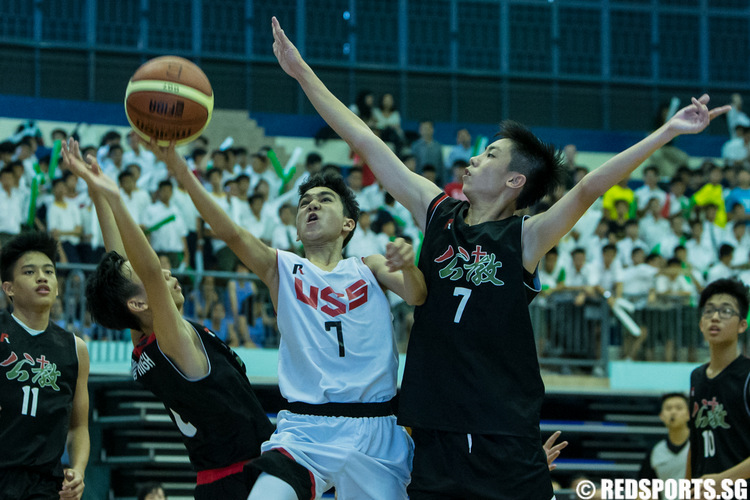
(667, 461)
(471, 364)
(337, 343)
(38, 375)
(719, 418)
(219, 416)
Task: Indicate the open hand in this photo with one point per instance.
(287, 54)
(88, 169)
(695, 117)
(398, 255)
(167, 154)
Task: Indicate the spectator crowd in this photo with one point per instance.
(661, 237)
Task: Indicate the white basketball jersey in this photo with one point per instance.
(337, 343)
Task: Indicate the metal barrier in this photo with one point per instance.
(587, 335)
(568, 335)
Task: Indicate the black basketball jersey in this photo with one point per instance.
(38, 375)
(719, 418)
(471, 364)
(219, 416)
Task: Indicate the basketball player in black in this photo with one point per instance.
(44, 400)
(472, 390)
(199, 379)
(720, 389)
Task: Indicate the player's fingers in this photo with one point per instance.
(558, 447)
(719, 111)
(551, 440)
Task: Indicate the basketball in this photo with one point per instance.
(169, 98)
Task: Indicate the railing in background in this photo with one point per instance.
(570, 337)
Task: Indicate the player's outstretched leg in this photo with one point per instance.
(271, 487)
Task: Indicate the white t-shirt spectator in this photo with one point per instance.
(168, 238)
(12, 208)
(638, 280)
(64, 217)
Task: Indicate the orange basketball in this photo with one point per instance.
(170, 99)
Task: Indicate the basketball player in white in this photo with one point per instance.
(338, 360)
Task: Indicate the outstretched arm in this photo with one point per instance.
(176, 337)
(259, 258)
(397, 272)
(71, 154)
(543, 231)
(411, 190)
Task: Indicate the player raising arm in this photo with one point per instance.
(201, 382)
(338, 361)
(472, 390)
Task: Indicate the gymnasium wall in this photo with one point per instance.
(577, 64)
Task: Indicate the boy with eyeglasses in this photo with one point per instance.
(720, 389)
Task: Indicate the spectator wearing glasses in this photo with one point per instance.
(719, 389)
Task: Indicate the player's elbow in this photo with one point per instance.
(417, 299)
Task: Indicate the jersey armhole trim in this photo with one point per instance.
(433, 207)
(205, 353)
(744, 394)
(536, 283)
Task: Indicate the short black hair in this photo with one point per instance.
(725, 250)
(336, 184)
(32, 241)
(165, 183)
(671, 395)
(123, 174)
(651, 168)
(146, 488)
(219, 152)
(652, 257)
(730, 287)
(313, 158)
(540, 162)
(107, 294)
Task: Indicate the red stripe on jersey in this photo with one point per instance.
(142, 344)
(212, 475)
(433, 207)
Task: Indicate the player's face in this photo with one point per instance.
(488, 173)
(172, 284)
(320, 216)
(717, 330)
(34, 283)
(674, 412)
